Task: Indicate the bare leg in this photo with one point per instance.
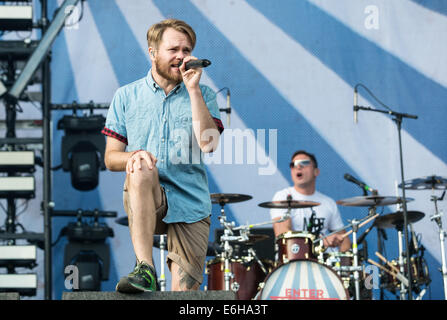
(143, 187)
(181, 281)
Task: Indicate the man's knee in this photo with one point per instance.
(143, 177)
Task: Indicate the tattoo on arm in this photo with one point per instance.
(186, 281)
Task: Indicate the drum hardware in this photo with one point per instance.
(396, 220)
(162, 280)
(437, 217)
(396, 272)
(355, 225)
(224, 198)
(252, 253)
(371, 201)
(426, 183)
(228, 236)
(288, 204)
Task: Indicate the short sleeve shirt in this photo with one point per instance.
(327, 209)
(142, 116)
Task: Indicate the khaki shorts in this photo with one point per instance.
(187, 242)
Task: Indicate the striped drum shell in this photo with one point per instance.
(303, 280)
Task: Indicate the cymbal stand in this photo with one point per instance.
(162, 280)
(228, 250)
(398, 119)
(355, 227)
(437, 217)
(403, 290)
(252, 254)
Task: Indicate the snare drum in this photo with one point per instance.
(295, 245)
(303, 280)
(247, 274)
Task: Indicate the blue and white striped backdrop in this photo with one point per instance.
(291, 67)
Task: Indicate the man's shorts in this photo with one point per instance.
(187, 242)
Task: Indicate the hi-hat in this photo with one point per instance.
(371, 201)
(426, 183)
(285, 204)
(396, 219)
(223, 198)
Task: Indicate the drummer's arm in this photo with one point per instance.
(282, 227)
(345, 245)
(338, 240)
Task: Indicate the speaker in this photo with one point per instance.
(157, 295)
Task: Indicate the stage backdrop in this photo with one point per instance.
(291, 67)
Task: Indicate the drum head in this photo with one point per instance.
(303, 280)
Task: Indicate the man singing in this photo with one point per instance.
(166, 120)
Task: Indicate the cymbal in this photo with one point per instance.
(254, 238)
(285, 204)
(223, 198)
(396, 219)
(426, 183)
(370, 201)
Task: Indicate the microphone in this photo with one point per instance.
(355, 105)
(362, 185)
(228, 108)
(200, 63)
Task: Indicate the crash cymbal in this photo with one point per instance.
(254, 238)
(396, 219)
(223, 198)
(370, 201)
(285, 204)
(426, 183)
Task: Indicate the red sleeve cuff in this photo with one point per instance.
(219, 125)
(113, 134)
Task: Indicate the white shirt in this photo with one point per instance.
(327, 209)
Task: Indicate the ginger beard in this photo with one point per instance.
(169, 71)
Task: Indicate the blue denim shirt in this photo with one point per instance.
(145, 118)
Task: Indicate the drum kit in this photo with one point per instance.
(302, 270)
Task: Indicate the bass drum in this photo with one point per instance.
(247, 275)
(303, 280)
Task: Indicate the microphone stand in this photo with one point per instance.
(398, 117)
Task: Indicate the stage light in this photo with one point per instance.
(83, 148)
(88, 252)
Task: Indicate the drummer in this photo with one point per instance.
(304, 172)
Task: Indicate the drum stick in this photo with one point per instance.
(381, 267)
(361, 224)
(387, 262)
(399, 275)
